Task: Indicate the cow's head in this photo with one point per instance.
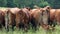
(47, 8)
(45, 14)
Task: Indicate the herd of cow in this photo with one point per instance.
(46, 17)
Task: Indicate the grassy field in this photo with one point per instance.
(40, 31)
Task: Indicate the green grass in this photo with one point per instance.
(40, 31)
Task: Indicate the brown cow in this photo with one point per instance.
(57, 16)
(45, 17)
(11, 16)
(22, 19)
(35, 17)
(51, 18)
(2, 16)
(2, 19)
(54, 15)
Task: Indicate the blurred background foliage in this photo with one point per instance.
(29, 3)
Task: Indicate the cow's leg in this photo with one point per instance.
(17, 26)
(0, 25)
(12, 27)
(54, 23)
(33, 23)
(13, 24)
(26, 25)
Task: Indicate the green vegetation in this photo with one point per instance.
(40, 31)
(29, 3)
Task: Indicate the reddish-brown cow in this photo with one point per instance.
(2, 19)
(57, 15)
(2, 16)
(52, 18)
(35, 17)
(22, 18)
(11, 16)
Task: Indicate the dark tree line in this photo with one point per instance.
(29, 3)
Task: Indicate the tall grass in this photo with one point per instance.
(40, 31)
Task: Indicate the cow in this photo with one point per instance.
(44, 18)
(22, 19)
(52, 16)
(57, 16)
(35, 18)
(11, 17)
(2, 19)
(26, 18)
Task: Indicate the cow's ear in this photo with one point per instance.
(48, 7)
(28, 8)
(8, 10)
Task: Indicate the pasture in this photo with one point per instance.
(15, 14)
(40, 31)
(30, 31)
